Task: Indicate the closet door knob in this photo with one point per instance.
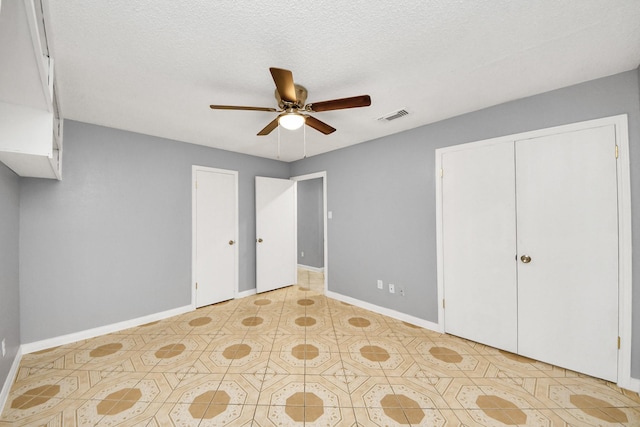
(525, 259)
(231, 242)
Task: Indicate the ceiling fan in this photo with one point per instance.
(293, 110)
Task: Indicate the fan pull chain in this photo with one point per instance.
(278, 141)
(304, 144)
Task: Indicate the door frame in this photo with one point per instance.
(194, 174)
(624, 227)
(323, 175)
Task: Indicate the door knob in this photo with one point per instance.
(259, 240)
(525, 259)
(231, 242)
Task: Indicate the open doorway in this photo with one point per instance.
(312, 231)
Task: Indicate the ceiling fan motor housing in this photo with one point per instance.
(301, 98)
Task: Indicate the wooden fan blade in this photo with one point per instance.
(319, 125)
(270, 127)
(284, 83)
(239, 107)
(340, 104)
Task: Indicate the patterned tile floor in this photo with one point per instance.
(294, 357)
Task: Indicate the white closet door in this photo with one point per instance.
(478, 226)
(568, 225)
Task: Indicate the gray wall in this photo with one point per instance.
(310, 223)
(9, 267)
(382, 193)
(112, 240)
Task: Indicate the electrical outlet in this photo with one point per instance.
(392, 288)
(401, 290)
(302, 254)
(4, 348)
(380, 284)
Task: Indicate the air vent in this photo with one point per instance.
(394, 115)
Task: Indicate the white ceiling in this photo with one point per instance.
(154, 66)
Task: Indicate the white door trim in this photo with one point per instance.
(624, 232)
(322, 175)
(194, 171)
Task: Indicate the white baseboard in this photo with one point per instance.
(6, 387)
(632, 384)
(115, 327)
(102, 330)
(387, 312)
(245, 294)
(314, 269)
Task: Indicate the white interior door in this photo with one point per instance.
(276, 234)
(216, 219)
(478, 226)
(568, 226)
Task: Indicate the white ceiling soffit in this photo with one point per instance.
(154, 66)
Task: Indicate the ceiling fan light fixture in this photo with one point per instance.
(291, 121)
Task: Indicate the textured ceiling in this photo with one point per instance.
(154, 66)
